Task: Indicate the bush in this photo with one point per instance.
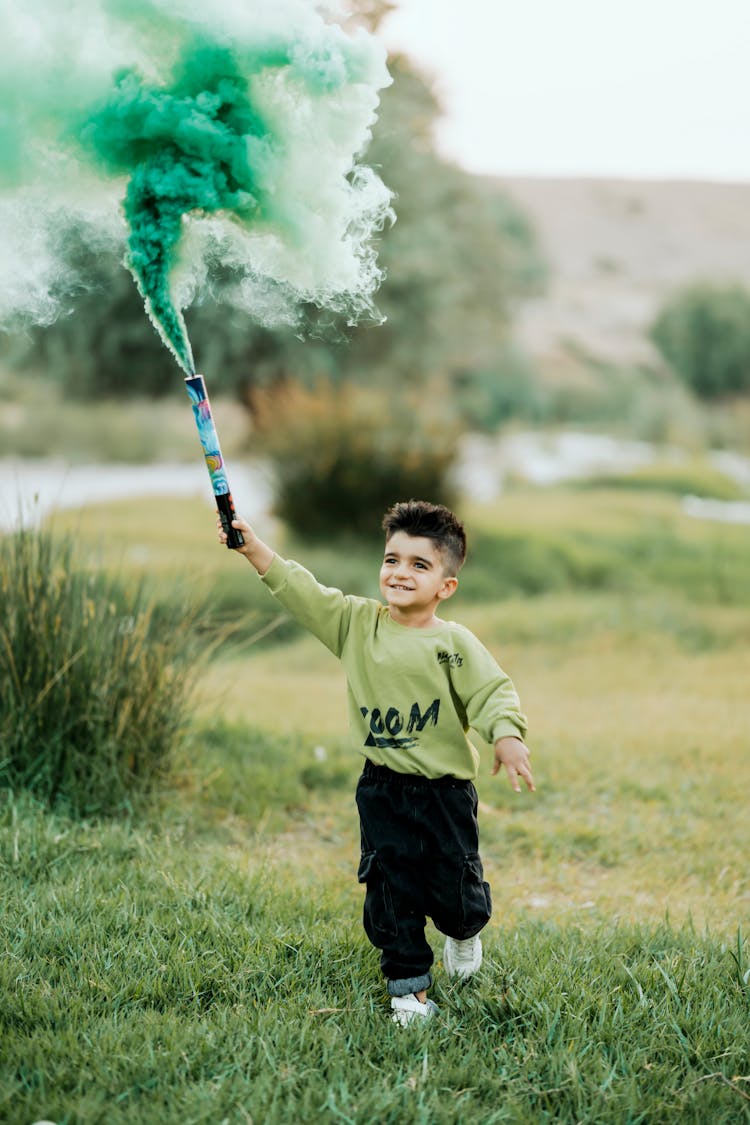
(703, 332)
(92, 685)
(342, 456)
(489, 398)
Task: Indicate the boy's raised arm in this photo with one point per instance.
(257, 553)
(324, 611)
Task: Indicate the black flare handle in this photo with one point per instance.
(225, 506)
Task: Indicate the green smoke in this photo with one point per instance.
(195, 147)
(230, 147)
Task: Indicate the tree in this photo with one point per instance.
(703, 332)
(459, 256)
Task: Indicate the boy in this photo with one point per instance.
(415, 685)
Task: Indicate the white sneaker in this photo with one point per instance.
(462, 958)
(408, 1008)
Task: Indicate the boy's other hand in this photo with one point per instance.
(514, 755)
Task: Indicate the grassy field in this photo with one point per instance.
(203, 961)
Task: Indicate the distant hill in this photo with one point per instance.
(616, 248)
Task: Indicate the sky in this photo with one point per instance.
(642, 89)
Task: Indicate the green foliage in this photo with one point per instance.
(459, 255)
(93, 680)
(597, 539)
(679, 478)
(652, 547)
(339, 462)
(489, 397)
(703, 332)
(562, 619)
(507, 563)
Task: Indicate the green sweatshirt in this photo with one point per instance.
(412, 693)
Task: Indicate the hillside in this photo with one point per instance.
(616, 249)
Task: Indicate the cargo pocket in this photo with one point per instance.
(379, 916)
(476, 899)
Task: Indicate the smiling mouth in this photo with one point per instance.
(406, 589)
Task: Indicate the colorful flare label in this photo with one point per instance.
(209, 439)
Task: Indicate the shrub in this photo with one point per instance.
(703, 332)
(341, 456)
(92, 685)
(489, 398)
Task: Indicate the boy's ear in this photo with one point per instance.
(449, 587)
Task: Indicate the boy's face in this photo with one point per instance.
(412, 577)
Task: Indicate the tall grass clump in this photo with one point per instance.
(93, 679)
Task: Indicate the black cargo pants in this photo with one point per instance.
(420, 859)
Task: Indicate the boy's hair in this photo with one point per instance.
(430, 521)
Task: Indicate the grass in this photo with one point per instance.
(204, 962)
(680, 478)
(93, 678)
(636, 812)
(156, 975)
(529, 543)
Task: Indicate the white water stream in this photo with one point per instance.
(32, 489)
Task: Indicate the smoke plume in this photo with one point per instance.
(215, 147)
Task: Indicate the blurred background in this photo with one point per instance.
(567, 292)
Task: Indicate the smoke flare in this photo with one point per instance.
(213, 147)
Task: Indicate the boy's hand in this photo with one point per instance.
(514, 755)
(241, 525)
(254, 549)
